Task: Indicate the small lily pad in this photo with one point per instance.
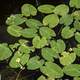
(77, 37)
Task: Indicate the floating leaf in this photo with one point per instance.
(77, 25)
(29, 32)
(76, 78)
(5, 52)
(59, 45)
(46, 8)
(77, 50)
(75, 3)
(19, 60)
(66, 20)
(34, 63)
(14, 30)
(52, 70)
(67, 32)
(77, 37)
(47, 54)
(72, 70)
(39, 42)
(76, 14)
(47, 32)
(67, 58)
(33, 23)
(52, 20)
(15, 20)
(61, 9)
(28, 9)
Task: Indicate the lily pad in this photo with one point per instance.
(46, 8)
(61, 9)
(67, 32)
(72, 70)
(29, 32)
(5, 52)
(75, 3)
(39, 42)
(47, 32)
(52, 70)
(33, 23)
(66, 20)
(28, 10)
(77, 37)
(14, 30)
(41, 78)
(52, 20)
(67, 58)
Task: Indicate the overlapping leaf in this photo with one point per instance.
(28, 10)
(52, 20)
(77, 37)
(46, 8)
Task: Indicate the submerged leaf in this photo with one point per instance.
(67, 58)
(29, 32)
(5, 52)
(72, 70)
(33, 23)
(67, 32)
(52, 70)
(28, 9)
(39, 42)
(14, 30)
(61, 9)
(75, 3)
(46, 8)
(52, 20)
(47, 32)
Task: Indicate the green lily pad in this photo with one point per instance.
(75, 3)
(33, 23)
(41, 78)
(46, 8)
(15, 20)
(76, 78)
(67, 32)
(5, 52)
(59, 46)
(34, 63)
(52, 20)
(72, 70)
(52, 70)
(28, 9)
(61, 9)
(29, 32)
(39, 42)
(47, 32)
(47, 54)
(77, 25)
(76, 14)
(67, 58)
(14, 30)
(66, 20)
(77, 37)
